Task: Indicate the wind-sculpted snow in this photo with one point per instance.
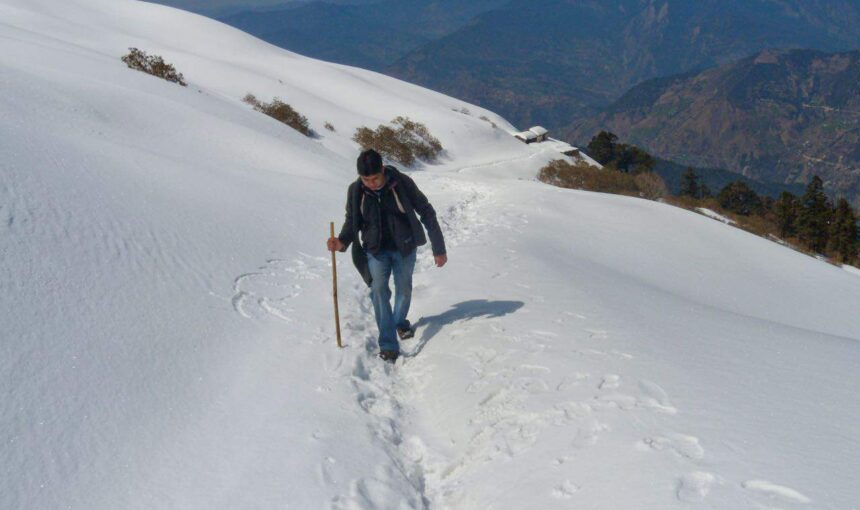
(167, 326)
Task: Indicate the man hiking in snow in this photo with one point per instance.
(381, 204)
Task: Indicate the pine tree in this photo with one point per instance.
(690, 184)
(739, 198)
(602, 147)
(786, 209)
(814, 217)
(639, 161)
(705, 191)
(843, 239)
(620, 156)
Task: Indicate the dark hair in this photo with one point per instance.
(369, 163)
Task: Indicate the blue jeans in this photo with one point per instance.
(381, 266)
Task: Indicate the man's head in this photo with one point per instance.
(370, 169)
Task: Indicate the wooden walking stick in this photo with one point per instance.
(334, 292)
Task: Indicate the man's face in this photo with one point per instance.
(374, 182)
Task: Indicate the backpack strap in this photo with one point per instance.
(397, 198)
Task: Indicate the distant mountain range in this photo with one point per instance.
(549, 62)
(776, 116)
(576, 66)
(553, 61)
(372, 35)
(222, 8)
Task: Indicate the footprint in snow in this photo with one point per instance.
(616, 401)
(775, 491)
(565, 490)
(270, 291)
(597, 334)
(656, 397)
(325, 474)
(571, 381)
(694, 487)
(610, 382)
(588, 433)
(680, 444)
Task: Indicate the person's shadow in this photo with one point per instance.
(465, 310)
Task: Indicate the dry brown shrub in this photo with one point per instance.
(757, 224)
(487, 119)
(764, 224)
(282, 112)
(405, 142)
(685, 202)
(651, 185)
(154, 65)
(586, 177)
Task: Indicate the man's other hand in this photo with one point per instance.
(440, 260)
(334, 244)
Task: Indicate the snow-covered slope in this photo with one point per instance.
(167, 336)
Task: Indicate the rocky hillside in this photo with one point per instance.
(553, 61)
(775, 116)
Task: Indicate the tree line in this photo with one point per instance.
(811, 221)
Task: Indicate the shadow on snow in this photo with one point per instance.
(466, 310)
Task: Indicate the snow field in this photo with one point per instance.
(167, 324)
(575, 393)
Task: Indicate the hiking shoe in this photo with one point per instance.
(389, 356)
(406, 332)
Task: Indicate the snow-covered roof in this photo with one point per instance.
(566, 148)
(526, 135)
(538, 130)
(560, 146)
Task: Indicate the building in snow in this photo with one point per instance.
(535, 134)
(527, 136)
(563, 147)
(541, 133)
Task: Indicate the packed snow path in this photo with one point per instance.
(518, 391)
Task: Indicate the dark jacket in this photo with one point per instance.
(400, 199)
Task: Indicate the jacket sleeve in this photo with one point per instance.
(347, 232)
(428, 216)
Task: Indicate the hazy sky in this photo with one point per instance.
(216, 7)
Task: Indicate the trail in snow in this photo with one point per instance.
(386, 393)
(502, 426)
(504, 422)
(512, 405)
